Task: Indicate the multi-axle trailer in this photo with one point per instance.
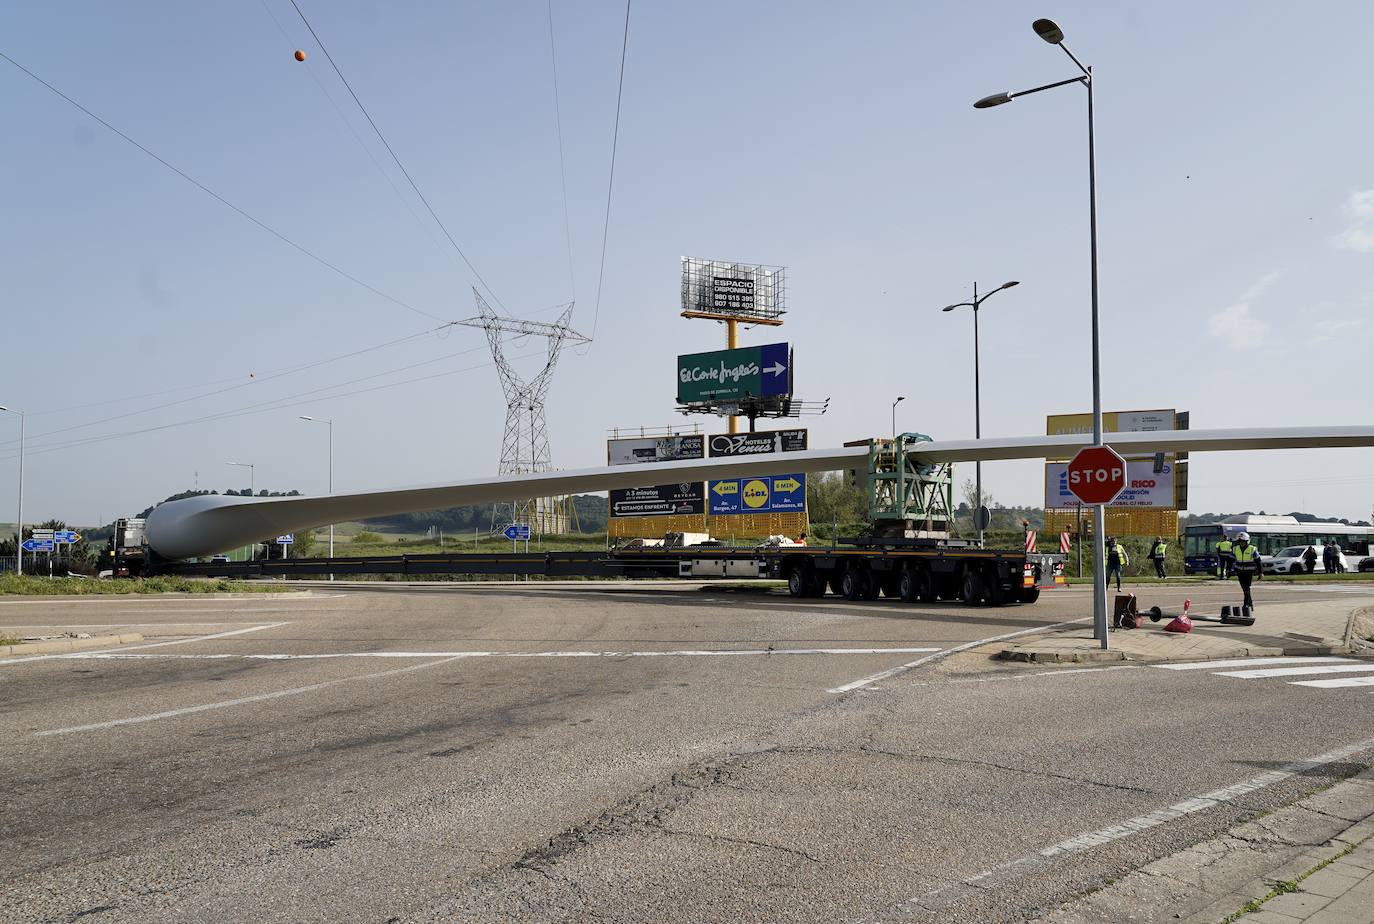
(914, 570)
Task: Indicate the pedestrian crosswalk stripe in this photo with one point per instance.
(1244, 662)
(1345, 668)
(1335, 682)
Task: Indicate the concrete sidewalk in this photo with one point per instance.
(1310, 862)
(1314, 628)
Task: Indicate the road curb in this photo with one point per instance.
(217, 595)
(57, 646)
(1212, 880)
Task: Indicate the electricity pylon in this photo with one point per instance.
(525, 444)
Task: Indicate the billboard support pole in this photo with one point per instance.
(732, 343)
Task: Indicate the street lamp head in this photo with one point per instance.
(303, 417)
(1048, 30)
(1009, 284)
(951, 307)
(900, 399)
(996, 99)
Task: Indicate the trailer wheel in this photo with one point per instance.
(796, 581)
(971, 590)
(996, 594)
(854, 582)
(916, 584)
(1029, 594)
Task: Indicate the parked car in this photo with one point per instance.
(1367, 564)
(1290, 561)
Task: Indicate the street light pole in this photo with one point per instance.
(900, 399)
(19, 535)
(330, 422)
(1051, 33)
(978, 395)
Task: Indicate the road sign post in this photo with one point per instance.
(1097, 474)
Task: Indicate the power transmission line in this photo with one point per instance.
(562, 167)
(276, 404)
(216, 196)
(392, 152)
(610, 184)
(239, 384)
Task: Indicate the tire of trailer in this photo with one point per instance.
(1029, 594)
(971, 589)
(854, 582)
(796, 581)
(995, 595)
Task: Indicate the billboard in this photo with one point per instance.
(757, 443)
(764, 494)
(1144, 486)
(688, 498)
(659, 500)
(733, 375)
(726, 291)
(655, 449)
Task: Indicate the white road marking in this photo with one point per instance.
(1091, 839)
(1243, 662)
(1335, 683)
(679, 653)
(893, 672)
(29, 659)
(1347, 668)
(241, 701)
(1071, 670)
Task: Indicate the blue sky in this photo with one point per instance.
(1236, 198)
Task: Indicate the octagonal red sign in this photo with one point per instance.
(1097, 475)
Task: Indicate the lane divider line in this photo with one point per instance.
(681, 653)
(902, 668)
(241, 701)
(29, 659)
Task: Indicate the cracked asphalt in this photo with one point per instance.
(514, 753)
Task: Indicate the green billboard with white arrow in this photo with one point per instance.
(733, 375)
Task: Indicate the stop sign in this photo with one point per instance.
(1097, 475)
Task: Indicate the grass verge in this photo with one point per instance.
(28, 586)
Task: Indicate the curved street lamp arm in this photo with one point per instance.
(1050, 86)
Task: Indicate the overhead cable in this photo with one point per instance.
(392, 152)
(217, 197)
(610, 185)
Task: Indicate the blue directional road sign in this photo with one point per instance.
(66, 537)
(39, 545)
(286, 539)
(517, 532)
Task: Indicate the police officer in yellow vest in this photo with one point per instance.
(1225, 560)
(1246, 564)
(1157, 555)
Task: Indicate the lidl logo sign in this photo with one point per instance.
(767, 494)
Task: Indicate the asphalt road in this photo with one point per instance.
(516, 753)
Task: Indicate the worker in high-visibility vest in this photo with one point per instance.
(1117, 559)
(1157, 555)
(1246, 563)
(1225, 560)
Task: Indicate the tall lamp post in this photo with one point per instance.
(977, 395)
(252, 489)
(1050, 32)
(331, 476)
(900, 399)
(19, 537)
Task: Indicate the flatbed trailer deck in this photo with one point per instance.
(916, 573)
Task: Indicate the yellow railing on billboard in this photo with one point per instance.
(1121, 521)
(655, 527)
(759, 525)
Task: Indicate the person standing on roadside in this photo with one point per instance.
(1157, 555)
(1116, 558)
(1328, 557)
(1247, 566)
(1309, 560)
(1224, 558)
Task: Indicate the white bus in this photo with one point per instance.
(1270, 534)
